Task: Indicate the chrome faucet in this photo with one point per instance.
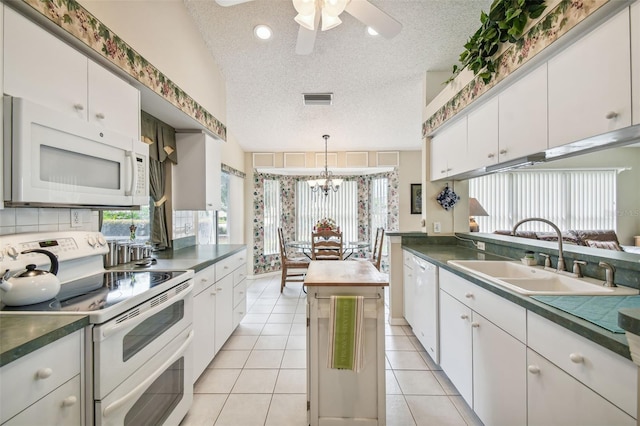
(561, 267)
(609, 272)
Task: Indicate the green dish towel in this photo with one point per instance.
(346, 333)
(599, 310)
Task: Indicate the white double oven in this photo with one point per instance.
(138, 351)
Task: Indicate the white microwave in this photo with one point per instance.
(51, 159)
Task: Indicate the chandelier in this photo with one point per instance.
(329, 11)
(326, 182)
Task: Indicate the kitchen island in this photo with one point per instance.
(344, 396)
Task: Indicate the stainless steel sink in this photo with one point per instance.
(534, 280)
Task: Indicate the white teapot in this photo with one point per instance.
(31, 285)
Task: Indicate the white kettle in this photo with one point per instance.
(31, 285)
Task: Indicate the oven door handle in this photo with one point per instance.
(138, 390)
(110, 330)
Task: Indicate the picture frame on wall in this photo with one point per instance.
(416, 198)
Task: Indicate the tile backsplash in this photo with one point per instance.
(26, 219)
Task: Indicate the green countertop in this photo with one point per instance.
(21, 334)
(440, 254)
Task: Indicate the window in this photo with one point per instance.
(116, 223)
(271, 216)
(572, 199)
(213, 226)
(342, 206)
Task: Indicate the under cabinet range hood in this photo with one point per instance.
(54, 160)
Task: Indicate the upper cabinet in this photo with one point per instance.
(522, 116)
(42, 68)
(197, 176)
(448, 149)
(635, 61)
(482, 135)
(590, 84)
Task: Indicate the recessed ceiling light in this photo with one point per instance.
(371, 31)
(263, 32)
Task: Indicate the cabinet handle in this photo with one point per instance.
(449, 169)
(219, 289)
(576, 358)
(475, 324)
(468, 295)
(491, 155)
(533, 369)
(443, 171)
(204, 280)
(241, 292)
(611, 115)
(503, 151)
(100, 116)
(464, 316)
(240, 313)
(44, 373)
(213, 293)
(78, 107)
(69, 401)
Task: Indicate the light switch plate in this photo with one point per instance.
(76, 218)
(436, 227)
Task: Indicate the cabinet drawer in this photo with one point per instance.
(408, 259)
(608, 374)
(503, 313)
(231, 263)
(239, 312)
(239, 292)
(203, 280)
(31, 377)
(60, 407)
(240, 274)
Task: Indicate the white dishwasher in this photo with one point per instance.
(425, 308)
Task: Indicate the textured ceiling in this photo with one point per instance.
(377, 83)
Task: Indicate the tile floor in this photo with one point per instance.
(259, 376)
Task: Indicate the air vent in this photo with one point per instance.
(317, 98)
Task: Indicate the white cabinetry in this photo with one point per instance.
(613, 378)
(45, 384)
(482, 350)
(590, 84)
(448, 150)
(635, 61)
(409, 285)
(522, 118)
(425, 307)
(42, 68)
(218, 307)
(196, 177)
(482, 140)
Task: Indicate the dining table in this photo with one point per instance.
(348, 248)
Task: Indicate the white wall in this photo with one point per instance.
(410, 171)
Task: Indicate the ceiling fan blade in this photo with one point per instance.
(306, 40)
(370, 15)
(226, 3)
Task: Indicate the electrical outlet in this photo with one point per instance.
(436, 227)
(76, 218)
(480, 245)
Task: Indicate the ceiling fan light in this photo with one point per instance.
(329, 21)
(263, 32)
(334, 7)
(305, 7)
(372, 32)
(306, 21)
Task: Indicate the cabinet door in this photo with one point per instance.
(224, 311)
(448, 150)
(113, 103)
(522, 118)
(42, 68)
(482, 139)
(425, 307)
(204, 319)
(590, 84)
(556, 398)
(455, 344)
(409, 286)
(635, 61)
(499, 378)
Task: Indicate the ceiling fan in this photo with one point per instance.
(312, 12)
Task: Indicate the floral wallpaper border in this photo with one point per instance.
(262, 262)
(77, 21)
(566, 15)
(228, 169)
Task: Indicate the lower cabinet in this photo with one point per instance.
(556, 398)
(219, 304)
(425, 307)
(45, 386)
(409, 286)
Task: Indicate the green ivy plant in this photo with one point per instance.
(504, 23)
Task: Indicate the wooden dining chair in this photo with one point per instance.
(293, 268)
(326, 245)
(376, 254)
